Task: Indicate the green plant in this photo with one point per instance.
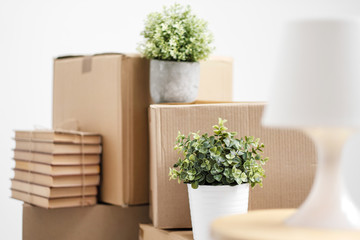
(220, 159)
(176, 35)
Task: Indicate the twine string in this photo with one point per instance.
(30, 150)
(82, 170)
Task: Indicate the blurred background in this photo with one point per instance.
(32, 33)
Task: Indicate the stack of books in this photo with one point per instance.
(55, 169)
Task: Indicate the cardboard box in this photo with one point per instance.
(212, 72)
(109, 94)
(149, 232)
(289, 171)
(103, 222)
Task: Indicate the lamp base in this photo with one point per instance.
(328, 204)
(319, 214)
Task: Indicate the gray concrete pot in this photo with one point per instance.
(174, 81)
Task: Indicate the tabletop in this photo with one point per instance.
(268, 225)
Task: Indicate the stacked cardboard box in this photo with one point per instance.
(99, 222)
(55, 169)
(290, 170)
(109, 94)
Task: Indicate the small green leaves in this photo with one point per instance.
(227, 173)
(195, 185)
(176, 34)
(218, 177)
(220, 159)
(230, 156)
(185, 164)
(227, 142)
(238, 181)
(218, 168)
(196, 135)
(210, 178)
(243, 177)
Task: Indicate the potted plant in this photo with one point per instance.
(175, 40)
(218, 170)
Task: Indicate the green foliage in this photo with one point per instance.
(220, 159)
(176, 35)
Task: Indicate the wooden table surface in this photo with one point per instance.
(268, 225)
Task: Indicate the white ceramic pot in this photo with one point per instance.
(172, 81)
(210, 202)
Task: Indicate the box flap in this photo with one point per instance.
(97, 54)
(80, 55)
(149, 232)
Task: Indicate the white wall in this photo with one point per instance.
(33, 32)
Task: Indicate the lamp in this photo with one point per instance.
(317, 89)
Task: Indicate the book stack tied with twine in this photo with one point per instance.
(55, 169)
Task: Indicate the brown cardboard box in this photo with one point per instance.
(109, 94)
(148, 232)
(214, 71)
(289, 171)
(103, 222)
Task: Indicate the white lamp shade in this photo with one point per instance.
(318, 77)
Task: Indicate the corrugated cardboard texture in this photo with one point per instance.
(109, 94)
(103, 222)
(212, 72)
(148, 232)
(290, 170)
(111, 98)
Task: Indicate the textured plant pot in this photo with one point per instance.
(210, 202)
(174, 81)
